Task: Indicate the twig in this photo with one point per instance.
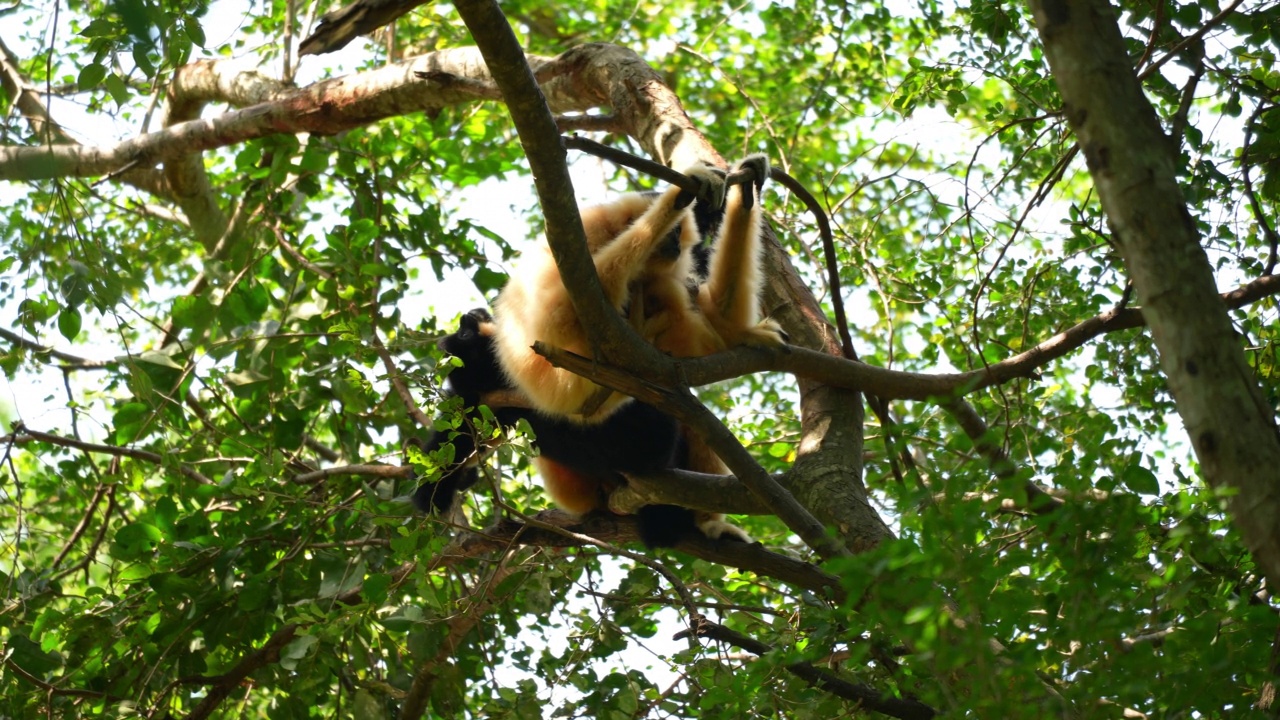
(865, 695)
(81, 526)
(54, 689)
(73, 362)
(92, 552)
(1267, 231)
(22, 435)
(395, 377)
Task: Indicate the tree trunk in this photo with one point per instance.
(1132, 164)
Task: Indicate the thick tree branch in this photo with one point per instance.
(540, 138)
(339, 27)
(192, 87)
(899, 385)
(699, 491)
(47, 130)
(324, 108)
(1229, 421)
(686, 408)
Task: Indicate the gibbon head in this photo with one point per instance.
(473, 345)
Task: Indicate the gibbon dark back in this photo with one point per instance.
(638, 439)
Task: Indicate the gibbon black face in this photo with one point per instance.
(580, 464)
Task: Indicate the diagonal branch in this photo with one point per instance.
(22, 435)
(896, 384)
(221, 686)
(861, 693)
(685, 407)
(541, 140)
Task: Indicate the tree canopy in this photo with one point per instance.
(1039, 250)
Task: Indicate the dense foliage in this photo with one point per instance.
(235, 346)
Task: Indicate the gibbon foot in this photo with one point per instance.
(759, 166)
(711, 186)
(719, 529)
(767, 334)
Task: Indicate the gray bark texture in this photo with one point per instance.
(1132, 162)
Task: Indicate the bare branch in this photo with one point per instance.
(386, 471)
(73, 362)
(22, 435)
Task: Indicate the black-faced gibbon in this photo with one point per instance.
(644, 252)
(580, 464)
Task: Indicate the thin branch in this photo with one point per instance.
(396, 378)
(386, 471)
(73, 362)
(22, 435)
(221, 686)
(865, 695)
(482, 598)
(1268, 232)
(652, 600)
(895, 384)
(693, 617)
(620, 530)
(1194, 37)
(98, 493)
(54, 689)
(1001, 465)
(92, 552)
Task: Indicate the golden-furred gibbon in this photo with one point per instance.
(643, 247)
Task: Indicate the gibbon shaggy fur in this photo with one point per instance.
(645, 249)
(580, 464)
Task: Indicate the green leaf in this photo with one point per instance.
(69, 323)
(90, 76)
(1140, 480)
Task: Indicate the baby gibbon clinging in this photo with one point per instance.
(643, 249)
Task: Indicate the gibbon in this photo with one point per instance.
(644, 249)
(580, 464)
